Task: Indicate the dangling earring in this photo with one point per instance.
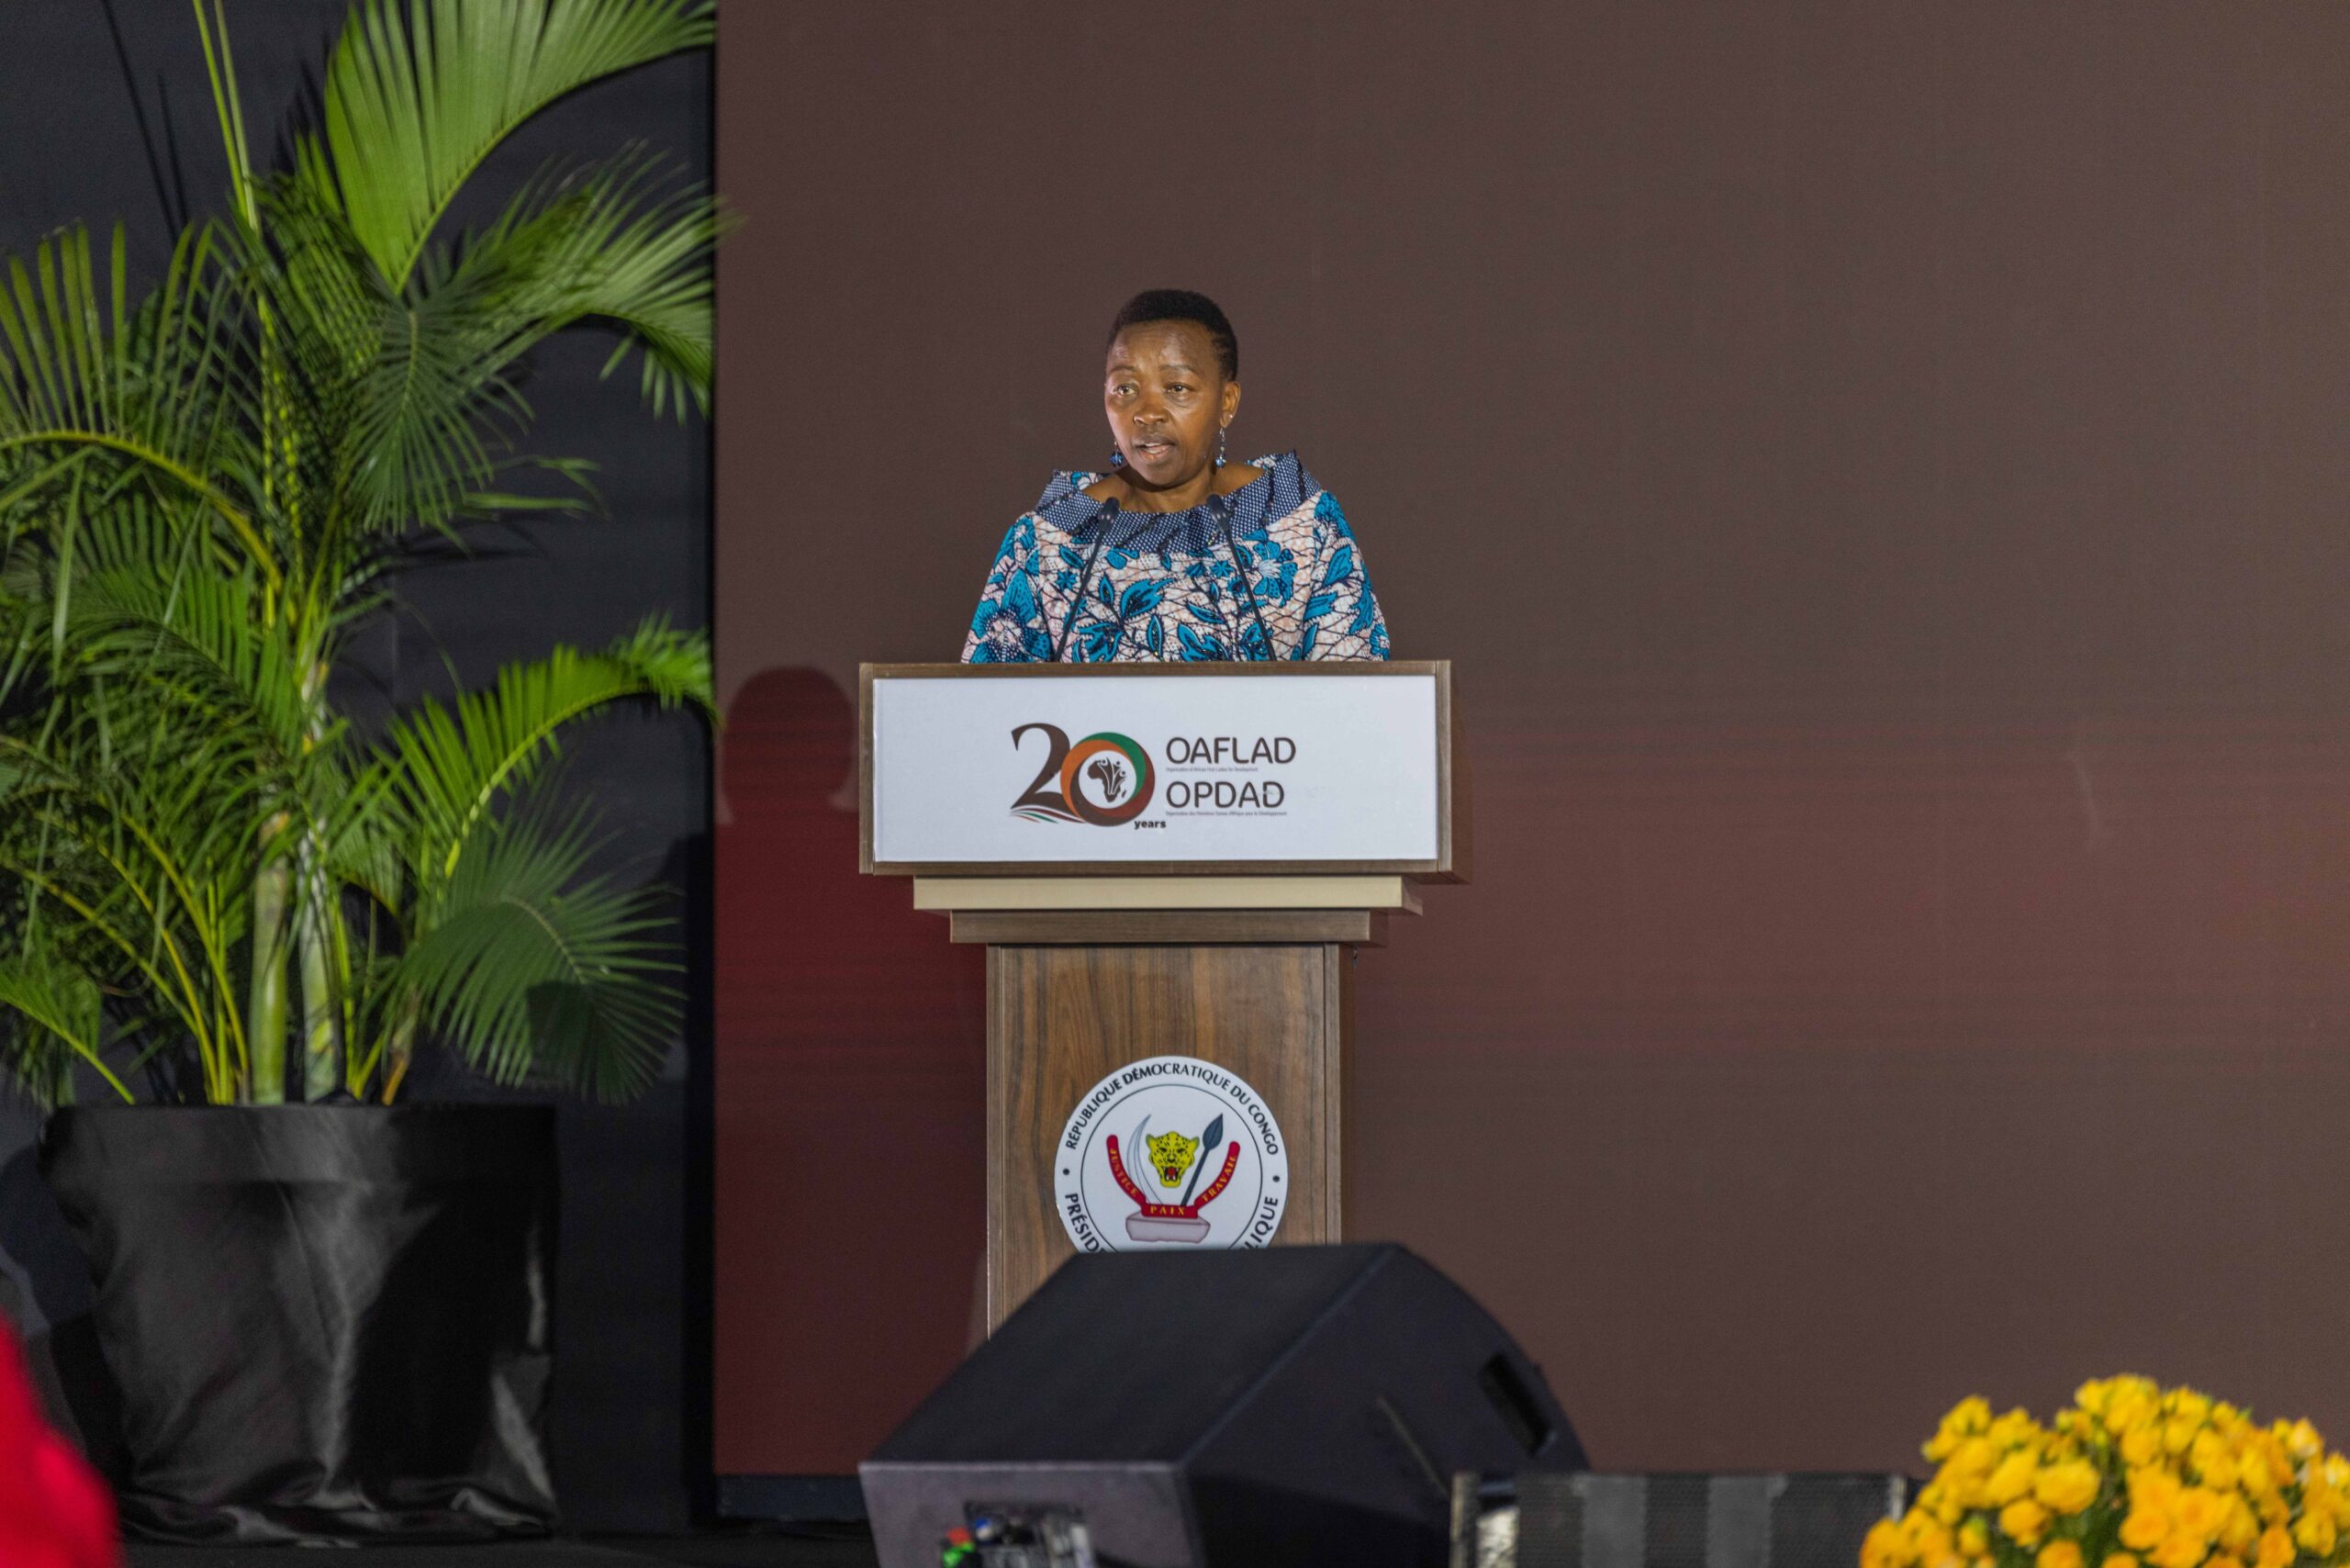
(1117, 459)
(1221, 431)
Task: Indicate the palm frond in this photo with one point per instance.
(55, 1004)
(433, 397)
(607, 242)
(452, 765)
(195, 643)
(537, 969)
(409, 396)
(418, 92)
(156, 391)
(82, 369)
(364, 835)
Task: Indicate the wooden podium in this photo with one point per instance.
(1187, 881)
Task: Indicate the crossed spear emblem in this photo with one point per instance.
(1188, 1208)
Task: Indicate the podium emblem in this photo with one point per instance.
(1105, 780)
(1171, 1152)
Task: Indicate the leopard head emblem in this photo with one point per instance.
(1171, 1155)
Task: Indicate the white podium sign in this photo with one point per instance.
(1060, 766)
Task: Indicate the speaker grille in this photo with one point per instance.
(1545, 1519)
(1549, 1524)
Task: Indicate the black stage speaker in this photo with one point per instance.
(1294, 1405)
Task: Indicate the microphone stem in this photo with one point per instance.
(1102, 519)
(1222, 508)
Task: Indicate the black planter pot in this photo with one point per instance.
(330, 1323)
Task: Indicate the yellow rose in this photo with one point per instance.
(2242, 1528)
(1927, 1538)
(2178, 1432)
(2155, 1490)
(2144, 1528)
(1969, 1415)
(1966, 1418)
(2128, 1407)
(2190, 1406)
(2214, 1465)
(2119, 1560)
(2059, 1555)
(2140, 1445)
(2300, 1439)
(2315, 1532)
(2200, 1512)
(2178, 1550)
(2276, 1548)
(2023, 1520)
(1973, 1457)
(1974, 1539)
(2224, 1560)
(2066, 1489)
(2017, 1426)
(2011, 1480)
(2253, 1471)
(1884, 1547)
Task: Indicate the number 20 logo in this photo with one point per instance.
(1114, 768)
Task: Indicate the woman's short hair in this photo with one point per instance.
(1182, 305)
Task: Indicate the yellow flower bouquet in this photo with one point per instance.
(2130, 1476)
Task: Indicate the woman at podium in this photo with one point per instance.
(1173, 552)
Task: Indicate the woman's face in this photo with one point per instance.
(1167, 399)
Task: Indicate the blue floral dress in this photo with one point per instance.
(1268, 572)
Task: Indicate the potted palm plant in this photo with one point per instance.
(222, 894)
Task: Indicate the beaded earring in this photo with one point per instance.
(1117, 459)
(1220, 433)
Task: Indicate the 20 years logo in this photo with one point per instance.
(1105, 779)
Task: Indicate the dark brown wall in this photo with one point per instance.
(1880, 469)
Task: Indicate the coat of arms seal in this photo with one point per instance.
(1171, 1152)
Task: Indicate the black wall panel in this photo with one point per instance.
(105, 115)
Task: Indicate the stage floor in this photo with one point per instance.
(734, 1548)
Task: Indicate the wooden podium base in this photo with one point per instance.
(1082, 979)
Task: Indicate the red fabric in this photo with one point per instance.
(55, 1511)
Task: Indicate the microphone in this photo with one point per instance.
(1101, 522)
